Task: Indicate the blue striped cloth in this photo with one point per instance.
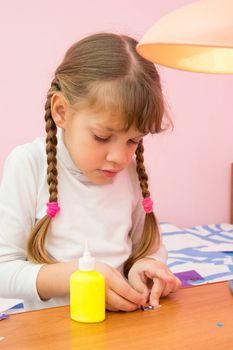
(206, 249)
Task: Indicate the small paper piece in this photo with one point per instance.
(3, 316)
(1, 338)
(187, 277)
(148, 307)
(145, 307)
(6, 304)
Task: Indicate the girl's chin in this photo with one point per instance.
(98, 179)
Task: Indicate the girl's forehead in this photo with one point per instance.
(110, 106)
(106, 119)
(115, 126)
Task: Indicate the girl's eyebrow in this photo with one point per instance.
(117, 130)
(105, 128)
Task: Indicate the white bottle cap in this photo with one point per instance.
(86, 262)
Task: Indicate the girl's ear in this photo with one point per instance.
(59, 110)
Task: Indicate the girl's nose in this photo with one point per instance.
(118, 155)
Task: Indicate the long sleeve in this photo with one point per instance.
(18, 193)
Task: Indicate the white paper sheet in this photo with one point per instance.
(6, 304)
(220, 247)
(182, 241)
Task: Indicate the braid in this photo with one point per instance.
(150, 238)
(36, 243)
(142, 175)
(51, 151)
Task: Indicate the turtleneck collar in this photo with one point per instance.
(64, 157)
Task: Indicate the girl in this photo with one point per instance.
(103, 99)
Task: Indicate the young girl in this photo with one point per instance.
(103, 99)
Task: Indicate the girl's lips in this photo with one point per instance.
(107, 173)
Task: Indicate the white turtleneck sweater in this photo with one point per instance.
(109, 216)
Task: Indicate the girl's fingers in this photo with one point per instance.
(156, 291)
(110, 307)
(168, 288)
(172, 283)
(162, 273)
(123, 289)
(177, 284)
(139, 284)
(115, 302)
(164, 282)
(171, 287)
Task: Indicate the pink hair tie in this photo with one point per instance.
(147, 205)
(53, 209)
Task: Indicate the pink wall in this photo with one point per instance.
(190, 167)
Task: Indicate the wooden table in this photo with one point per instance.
(188, 319)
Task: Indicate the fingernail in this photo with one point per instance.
(154, 303)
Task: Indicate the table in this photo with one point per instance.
(189, 319)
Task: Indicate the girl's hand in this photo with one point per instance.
(120, 296)
(148, 273)
(53, 280)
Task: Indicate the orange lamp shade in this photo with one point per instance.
(197, 37)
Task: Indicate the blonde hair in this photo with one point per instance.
(105, 71)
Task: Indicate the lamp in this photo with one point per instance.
(197, 37)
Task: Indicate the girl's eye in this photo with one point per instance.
(101, 139)
(134, 142)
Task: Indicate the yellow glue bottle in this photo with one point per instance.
(87, 291)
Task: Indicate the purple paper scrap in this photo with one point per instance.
(187, 277)
(3, 316)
